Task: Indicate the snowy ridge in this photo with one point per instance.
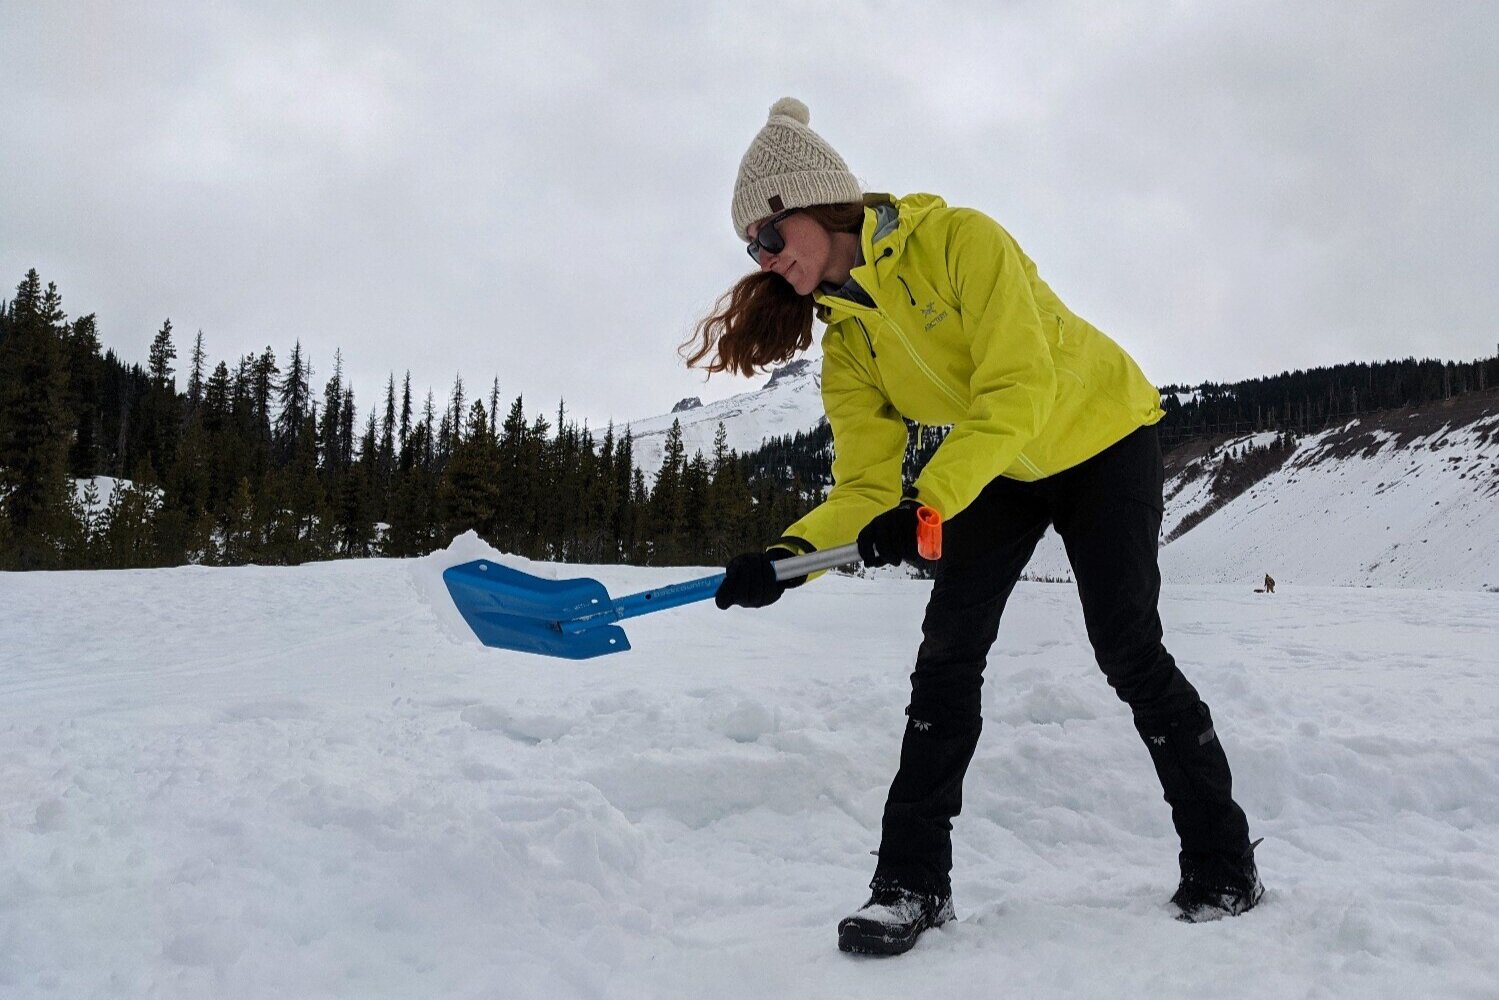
(270, 782)
(1187, 493)
(791, 401)
(1401, 499)
(1361, 506)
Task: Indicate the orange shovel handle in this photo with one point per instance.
(928, 533)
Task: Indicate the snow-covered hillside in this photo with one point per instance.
(310, 782)
(1359, 506)
(1393, 500)
(791, 401)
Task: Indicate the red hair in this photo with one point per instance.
(762, 321)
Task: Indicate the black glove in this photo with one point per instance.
(750, 580)
(890, 538)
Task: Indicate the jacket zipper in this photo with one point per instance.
(900, 335)
(1030, 465)
(922, 365)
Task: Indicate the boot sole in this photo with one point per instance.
(867, 937)
(863, 938)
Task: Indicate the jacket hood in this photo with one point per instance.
(911, 209)
(881, 241)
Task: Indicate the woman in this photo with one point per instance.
(934, 314)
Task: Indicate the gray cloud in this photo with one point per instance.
(540, 192)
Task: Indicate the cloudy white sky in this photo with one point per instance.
(540, 191)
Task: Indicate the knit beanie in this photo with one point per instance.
(789, 166)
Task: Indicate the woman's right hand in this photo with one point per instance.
(750, 580)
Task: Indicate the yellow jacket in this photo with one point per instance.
(962, 332)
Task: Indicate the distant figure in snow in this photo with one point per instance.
(936, 315)
(1269, 584)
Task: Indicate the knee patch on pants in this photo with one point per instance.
(1189, 729)
(941, 725)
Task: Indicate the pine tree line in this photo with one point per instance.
(1306, 401)
(249, 463)
(805, 458)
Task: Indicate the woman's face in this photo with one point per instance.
(804, 260)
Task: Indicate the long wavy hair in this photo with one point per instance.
(762, 321)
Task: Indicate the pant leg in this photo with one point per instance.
(1108, 511)
(984, 550)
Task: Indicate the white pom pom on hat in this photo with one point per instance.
(790, 107)
(789, 166)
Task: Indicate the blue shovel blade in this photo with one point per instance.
(508, 609)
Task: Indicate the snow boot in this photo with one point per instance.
(893, 919)
(1213, 886)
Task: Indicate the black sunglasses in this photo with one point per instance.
(768, 239)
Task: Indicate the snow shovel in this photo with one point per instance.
(576, 619)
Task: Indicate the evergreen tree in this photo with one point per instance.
(242, 540)
(35, 490)
(189, 485)
(517, 480)
(308, 500)
(85, 397)
(386, 460)
(294, 401)
(163, 353)
(354, 525)
(224, 444)
(427, 453)
(456, 411)
(695, 492)
(88, 515)
(128, 529)
(330, 433)
(264, 378)
(668, 503)
(160, 412)
(636, 540)
(405, 428)
(470, 490)
(346, 428)
(195, 377)
(728, 504)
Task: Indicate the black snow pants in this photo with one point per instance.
(1108, 513)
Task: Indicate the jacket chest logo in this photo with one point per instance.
(931, 315)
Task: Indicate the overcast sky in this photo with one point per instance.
(540, 191)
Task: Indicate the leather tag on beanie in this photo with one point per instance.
(776, 204)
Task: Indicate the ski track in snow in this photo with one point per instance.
(311, 782)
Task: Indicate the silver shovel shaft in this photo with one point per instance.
(813, 562)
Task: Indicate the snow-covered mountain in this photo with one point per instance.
(1404, 498)
(791, 401)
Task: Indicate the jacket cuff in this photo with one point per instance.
(797, 547)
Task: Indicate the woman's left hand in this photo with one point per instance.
(890, 538)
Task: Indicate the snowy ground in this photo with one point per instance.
(309, 783)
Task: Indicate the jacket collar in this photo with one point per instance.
(888, 224)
